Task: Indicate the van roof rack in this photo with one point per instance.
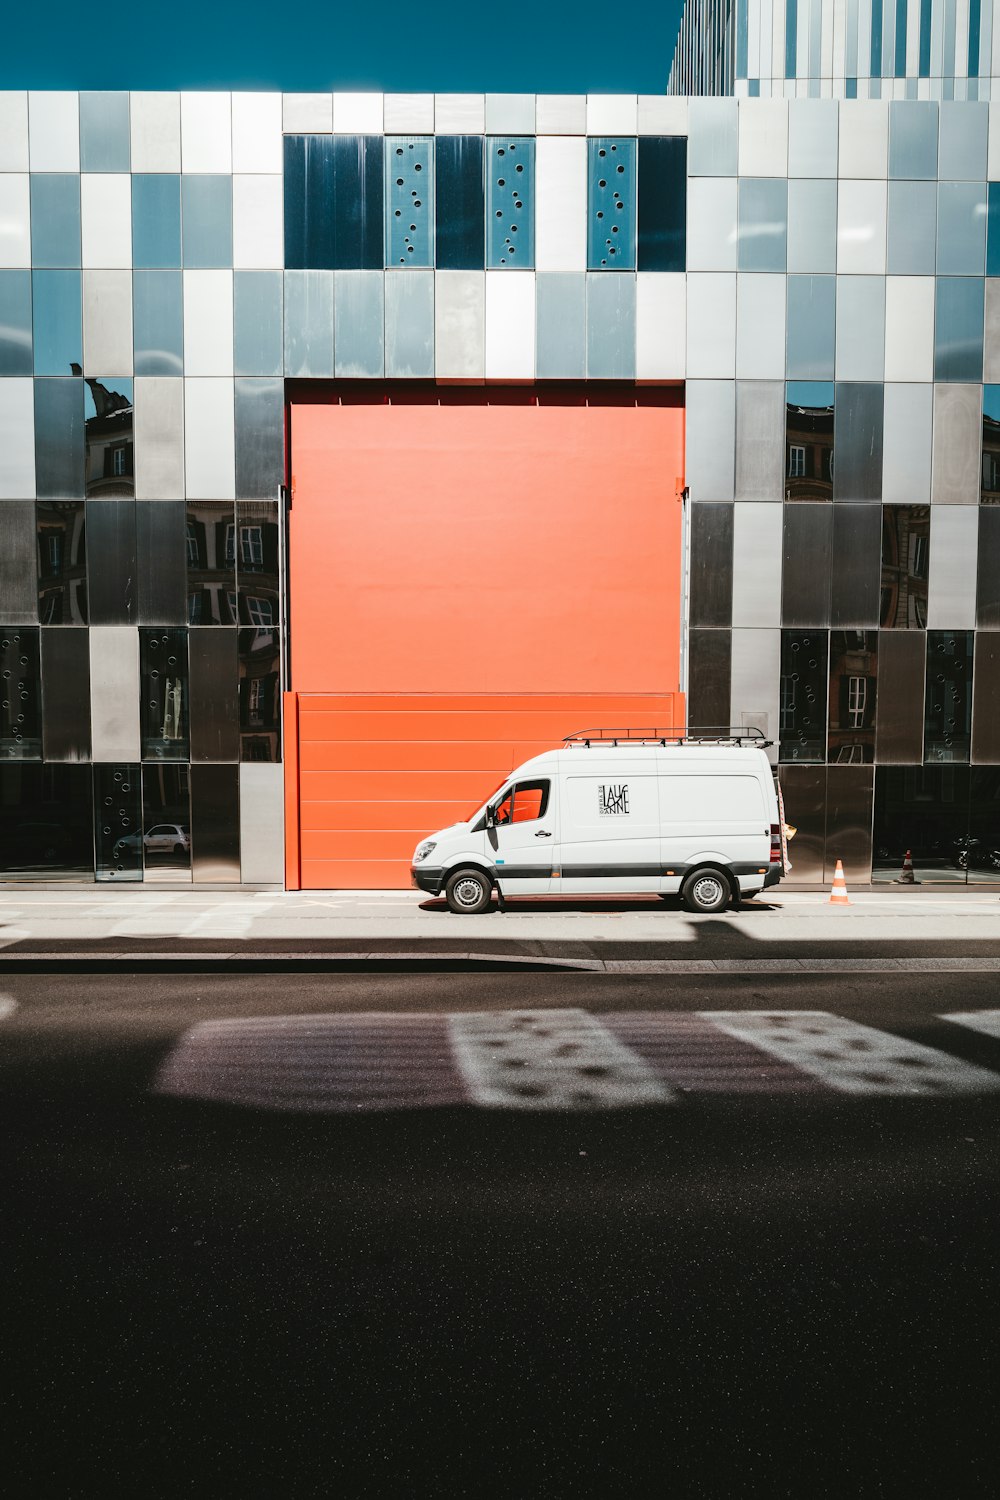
(711, 734)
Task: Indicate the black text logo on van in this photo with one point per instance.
(613, 800)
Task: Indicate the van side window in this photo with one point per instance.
(524, 803)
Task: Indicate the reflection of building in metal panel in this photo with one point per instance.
(808, 452)
(62, 562)
(260, 695)
(853, 684)
(108, 429)
(906, 531)
(211, 564)
(991, 460)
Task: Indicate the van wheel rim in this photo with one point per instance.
(707, 891)
(468, 892)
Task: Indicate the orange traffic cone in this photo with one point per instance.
(838, 891)
(906, 875)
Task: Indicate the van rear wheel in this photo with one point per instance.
(706, 891)
(468, 892)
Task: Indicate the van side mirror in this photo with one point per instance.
(491, 817)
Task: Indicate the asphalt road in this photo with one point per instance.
(748, 1290)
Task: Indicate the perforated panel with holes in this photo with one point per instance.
(409, 200)
(510, 204)
(611, 205)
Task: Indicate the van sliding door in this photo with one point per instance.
(610, 829)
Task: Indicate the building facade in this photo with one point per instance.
(354, 446)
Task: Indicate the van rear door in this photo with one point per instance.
(610, 833)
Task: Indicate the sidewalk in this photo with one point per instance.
(352, 927)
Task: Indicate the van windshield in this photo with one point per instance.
(481, 806)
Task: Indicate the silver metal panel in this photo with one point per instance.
(711, 224)
(710, 423)
(260, 438)
(14, 131)
(65, 695)
(912, 228)
(18, 587)
(961, 225)
(812, 225)
(711, 330)
(114, 692)
(986, 700)
(358, 112)
(206, 132)
(660, 114)
(964, 139)
(803, 789)
(307, 114)
(262, 824)
(258, 237)
(610, 326)
(510, 114)
(561, 204)
(460, 325)
(906, 443)
(309, 323)
(459, 114)
(849, 794)
(812, 138)
(713, 137)
(359, 338)
(407, 114)
(756, 673)
(15, 220)
(909, 328)
(54, 131)
(17, 439)
(812, 327)
(957, 442)
(756, 565)
(208, 322)
(215, 718)
(951, 598)
(860, 327)
(763, 145)
(760, 327)
(106, 219)
(258, 323)
(409, 324)
(209, 439)
(899, 716)
(861, 227)
(107, 323)
(155, 122)
(561, 327)
(510, 326)
(561, 114)
(660, 325)
(760, 439)
(864, 138)
(991, 343)
(159, 439)
(215, 824)
(257, 132)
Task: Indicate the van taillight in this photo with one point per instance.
(776, 843)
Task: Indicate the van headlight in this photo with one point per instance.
(427, 847)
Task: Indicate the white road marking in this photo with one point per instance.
(8, 1005)
(550, 1060)
(985, 1021)
(852, 1058)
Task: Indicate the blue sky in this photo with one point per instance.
(555, 46)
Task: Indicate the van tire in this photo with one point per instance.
(706, 890)
(468, 892)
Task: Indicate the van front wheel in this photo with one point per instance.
(468, 892)
(706, 891)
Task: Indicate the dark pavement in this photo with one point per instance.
(743, 1293)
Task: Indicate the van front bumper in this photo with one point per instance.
(427, 880)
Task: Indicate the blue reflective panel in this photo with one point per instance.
(15, 323)
(158, 322)
(104, 132)
(913, 139)
(207, 204)
(59, 439)
(460, 203)
(409, 200)
(333, 202)
(993, 229)
(156, 220)
(961, 247)
(510, 202)
(611, 204)
(55, 219)
(763, 223)
(811, 327)
(662, 204)
(257, 326)
(958, 328)
(57, 317)
(912, 228)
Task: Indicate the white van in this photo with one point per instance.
(619, 812)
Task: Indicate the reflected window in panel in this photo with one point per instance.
(15, 323)
(802, 695)
(948, 697)
(611, 204)
(57, 318)
(209, 543)
(164, 694)
(990, 468)
(958, 329)
(409, 200)
(112, 591)
(20, 693)
(158, 322)
(809, 407)
(118, 823)
(913, 140)
(922, 811)
(166, 822)
(156, 221)
(108, 435)
(811, 327)
(510, 201)
(763, 224)
(906, 542)
(912, 229)
(853, 687)
(260, 688)
(662, 204)
(988, 579)
(207, 220)
(55, 219)
(46, 820)
(961, 247)
(858, 438)
(62, 562)
(993, 229)
(254, 546)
